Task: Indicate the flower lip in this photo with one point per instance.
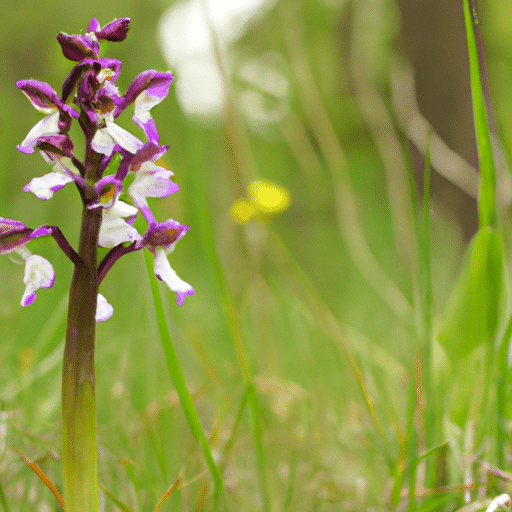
(44, 186)
(151, 180)
(103, 309)
(114, 230)
(39, 273)
(166, 273)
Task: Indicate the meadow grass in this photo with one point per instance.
(306, 372)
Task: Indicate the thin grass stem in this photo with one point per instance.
(252, 398)
(238, 149)
(180, 384)
(119, 504)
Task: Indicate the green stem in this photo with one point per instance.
(79, 449)
(180, 384)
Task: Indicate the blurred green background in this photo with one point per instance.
(334, 271)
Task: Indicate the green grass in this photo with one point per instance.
(309, 351)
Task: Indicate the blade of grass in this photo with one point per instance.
(487, 199)
(431, 423)
(42, 476)
(251, 395)
(407, 459)
(180, 384)
(502, 394)
(243, 166)
(212, 256)
(173, 488)
(120, 505)
(487, 209)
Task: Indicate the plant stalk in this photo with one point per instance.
(79, 445)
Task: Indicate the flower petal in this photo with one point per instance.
(103, 142)
(39, 273)
(115, 231)
(165, 273)
(147, 90)
(103, 309)
(122, 209)
(115, 31)
(105, 139)
(46, 185)
(124, 138)
(47, 126)
(43, 97)
(78, 48)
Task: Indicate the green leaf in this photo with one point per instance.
(473, 309)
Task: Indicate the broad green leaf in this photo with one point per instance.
(473, 309)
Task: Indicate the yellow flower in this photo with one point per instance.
(265, 199)
(242, 211)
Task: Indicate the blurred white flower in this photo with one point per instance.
(185, 34)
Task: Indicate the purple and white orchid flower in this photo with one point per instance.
(96, 102)
(161, 239)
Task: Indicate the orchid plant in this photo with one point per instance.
(113, 159)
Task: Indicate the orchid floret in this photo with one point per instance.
(151, 181)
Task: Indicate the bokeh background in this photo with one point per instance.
(330, 99)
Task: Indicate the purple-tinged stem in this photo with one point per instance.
(111, 257)
(63, 243)
(79, 450)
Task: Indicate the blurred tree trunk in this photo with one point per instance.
(434, 40)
